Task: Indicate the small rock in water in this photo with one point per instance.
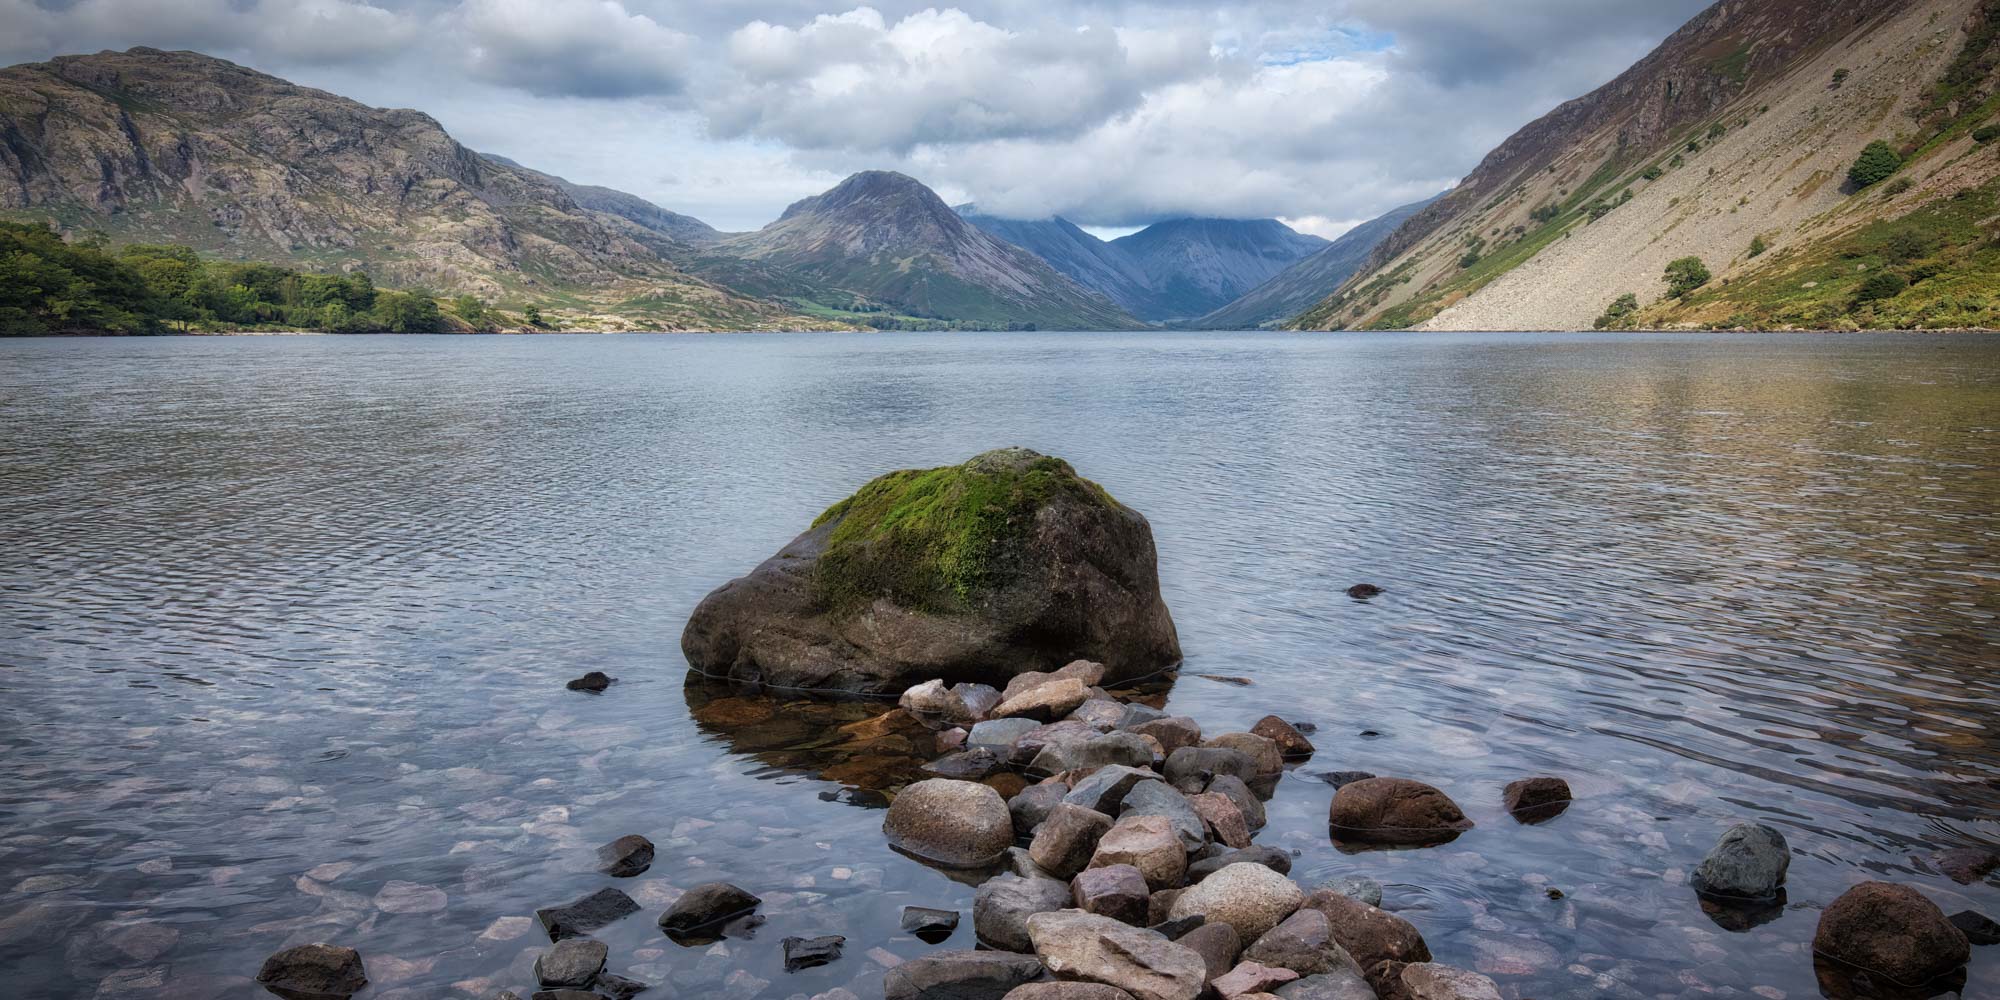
(625, 857)
(959, 824)
(1966, 865)
(1978, 928)
(1225, 679)
(1891, 931)
(806, 953)
(314, 969)
(1354, 887)
(928, 924)
(571, 963)
(1363, 591)
(968, 974)
(1536, 800)
(966, 765)
(1395, 811)
(1430, 981)
(1291, 742)
(618, 987)
(1748, 863)
(706, 907)
(596, 680)
(410, 897)
(599, 909)
(1339, 778)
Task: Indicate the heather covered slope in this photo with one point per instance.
(177, 147)
(1737, 132)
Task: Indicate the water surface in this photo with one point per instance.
(287, 621)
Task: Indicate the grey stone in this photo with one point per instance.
(1173, 731)
(998, 735)
(625, 857)
(1256, 854)
(1002, 905)
(1157, 798)
(1303, 943)
(1104, 791)
(599, 909)
(1218, 944)
(929, 923)
(705, 906)
(1190, 768)
(806, 953)
(1065, 841)
(1099, 713)
(1240, 793)
(571, 963)
(1031, 807)
(1127, 749)
(960, 975)
(1135, 714)
(975, 764)
(1366, 890)
(1749, 863)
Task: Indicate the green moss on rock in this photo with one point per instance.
(934, 539)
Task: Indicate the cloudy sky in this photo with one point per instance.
(1111, 114)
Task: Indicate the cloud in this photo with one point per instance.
(572, 48)
(857, 81)
(295, 32)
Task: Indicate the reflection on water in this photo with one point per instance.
(288, 621)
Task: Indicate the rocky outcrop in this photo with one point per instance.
(978, 572)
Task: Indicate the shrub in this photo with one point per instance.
(1471, 257)
(1985, 134)
(1618, 311)
(532, 315)
(1717, 130)
(1906, 244)
(1898, 186)
(1653, 173)
(1881, 286)
(1839, 77)
(1875, 165)
(1758, 246)
(1685, 275)
(1546, 214)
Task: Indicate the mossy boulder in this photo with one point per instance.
(978, 572)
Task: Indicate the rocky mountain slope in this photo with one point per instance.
(1196, 266)
(1087, 260)
(1731, 144)
(881, 240)
(1304, 283)
(683, 228)
(178, 147)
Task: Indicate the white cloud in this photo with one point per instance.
(299, 32)
(572, 48)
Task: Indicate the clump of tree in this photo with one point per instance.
(1717, 131)
(1839, 77)
(1881, 286)
(1653, 173)
(1985, 134)
(1475, 248)
(532, 315)
(50, 285)
(1619, 312)
(1877, 161)
(1758, 246)
(1686, 275)
(1546, 214)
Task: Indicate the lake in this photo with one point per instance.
(288, 621)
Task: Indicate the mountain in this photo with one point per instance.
(630, 207)
(883, 241)
(1734, 143)
(1307, 281)
(1196, 266)
(152, 146)
(1087, 260)
(1167, 272)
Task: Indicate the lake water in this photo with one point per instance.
(280, 606)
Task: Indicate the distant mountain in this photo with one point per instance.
(884, 240)
(1735, 143)
(1309, 280)
(1196, 266)
(1087, 260)
(1168, 272)
(630, 207)
(179, 147)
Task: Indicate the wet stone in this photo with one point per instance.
(1065, 841)
(1364, 591)
(928, 924)
(1395, 811)
(618, 987)
(1256, 854)
(595, 680)
(571, 963)
(806, 953)
(1328, 986)
(599, 909)
(958, 824)
(1115, 891)
(1355, 887)
(625, 857)
(1291, 743)
(1966, 865)
(1890, 930)
(967, 765)
(1135, 713)
(1030, 808)
(1157, 798)
(1303, 943)
(1748, 863)
(960, 975)
(1536, 800)
(1339, 778)
(1099, 713)
(999, 735)
(1002, 905)
(1240, 793)
(1190, 768)
(1104, 791)
(707, 906)
(314, 970)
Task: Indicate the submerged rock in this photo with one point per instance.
(1430, 981)
(966, 765)
(1966, 865)
(1892, 931)
(1977, 927)
(960, 975)
(1395, 811)
(571, 963)
(929, 924)
(314, 970)
(707, 906)
(1067, 991)
(1536, 800)
(596, 680)
(625, 857)
(1363, 591)
(599, 909)
(1748, 863)
(1008, 563)
(806, 953)
(1327, 986)
(958, 824)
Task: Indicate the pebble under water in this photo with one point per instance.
(288, 622)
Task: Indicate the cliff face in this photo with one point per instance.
(1734, 130)
(180, 147)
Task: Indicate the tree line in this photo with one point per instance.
(49, 285)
